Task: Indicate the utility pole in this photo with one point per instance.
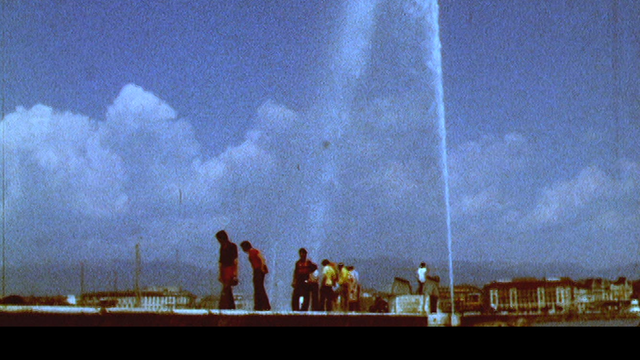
(81, 279)
(4, 172)
(177, 265)
(615, 67)
(115, 280)
(213, 285)
(137, 289)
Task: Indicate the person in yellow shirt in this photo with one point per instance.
(343, 289)
(329, 280)
(354, 289)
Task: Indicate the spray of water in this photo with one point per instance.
(442, 128)
(383, 89)
(350, 57)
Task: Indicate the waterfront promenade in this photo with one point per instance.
(86, 316)
(58, 316)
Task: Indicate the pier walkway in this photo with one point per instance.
(87, 316)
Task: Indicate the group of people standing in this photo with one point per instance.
(329, 287)
(228, 272)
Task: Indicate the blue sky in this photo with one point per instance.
(162, 122)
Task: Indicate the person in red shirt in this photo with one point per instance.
(228, 270)
(260, 270)
(303, 286)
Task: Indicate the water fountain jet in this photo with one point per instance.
(374, 167)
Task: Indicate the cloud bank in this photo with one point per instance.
(509, 203)
(140, 175)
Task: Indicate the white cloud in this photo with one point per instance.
(483, 171)
(501, 177)
(134, 108)
(57, 160)
(506, 198)
(566, 198)
(487, 200)
(157, 149)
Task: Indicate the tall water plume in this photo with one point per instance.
(373, 175)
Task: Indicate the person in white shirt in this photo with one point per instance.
(421, 274)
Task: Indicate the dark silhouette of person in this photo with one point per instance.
(379, 306)
(228, 270)
(433, 292)
(260, 270)
(303, 285)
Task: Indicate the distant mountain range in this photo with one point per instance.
(376, 273)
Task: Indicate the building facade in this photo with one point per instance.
(597, 294)
(530, 296)
(468, 299)
(555, 296)
(153, 299)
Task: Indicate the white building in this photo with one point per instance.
(153, 298)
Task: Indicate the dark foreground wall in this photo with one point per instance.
(210, 319)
